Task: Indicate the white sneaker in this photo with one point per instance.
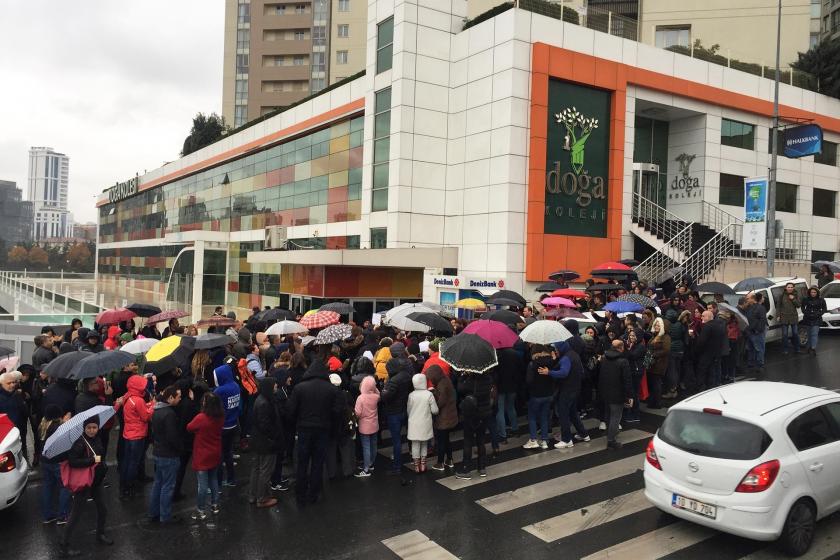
(619, 426)
(543, 444)
(531, 444)
(602, 426)
(563, 444)
(581, 439)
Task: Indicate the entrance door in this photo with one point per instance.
(363, 310)
(646, 182)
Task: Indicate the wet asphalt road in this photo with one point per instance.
(355, 516)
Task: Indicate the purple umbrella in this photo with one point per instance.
(497, 334)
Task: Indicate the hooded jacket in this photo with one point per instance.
(166, 431)
(614, 379)
(813, 309)
(678, 332)
(366, 406)
(510, 371)
(137, 413)
(396, 390)
(421, 408)
(315, 403)
(207, 442)
(570, 363)
(444, 392)
(380, 361)
(113, 341)
(267, 431)
(477, 387)
(575, 342)
(243, 344)
(227, 390)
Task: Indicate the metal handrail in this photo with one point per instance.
(669, 256)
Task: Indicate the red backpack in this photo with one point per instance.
(246, 377)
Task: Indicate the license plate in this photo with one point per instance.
(706, 510)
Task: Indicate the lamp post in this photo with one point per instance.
(771, 187)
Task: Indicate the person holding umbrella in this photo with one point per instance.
(51, 472)
(824, 276)
(813, 308)
(85, 453)
(476, 411)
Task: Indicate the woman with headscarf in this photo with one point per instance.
(824, 276)
(660, 347)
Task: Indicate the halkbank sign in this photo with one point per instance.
(578, 149)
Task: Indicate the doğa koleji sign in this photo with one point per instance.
(578, 149)
(123, 190)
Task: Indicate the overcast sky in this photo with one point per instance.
(112, 84)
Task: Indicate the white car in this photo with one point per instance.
(14, 469)
(831, 294)
(756, 459)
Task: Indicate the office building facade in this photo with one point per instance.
(17, 217)
(49, 173)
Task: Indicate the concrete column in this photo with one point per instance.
(53, 296)
(198, 280)
(82, 300)
(66, 299)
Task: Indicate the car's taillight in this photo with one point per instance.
(651, 456)
(7, 462)
(760, 478)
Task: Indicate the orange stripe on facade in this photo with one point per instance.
(349, 108)
(548, 252)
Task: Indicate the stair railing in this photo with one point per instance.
(668, 256)
(656, 219)
(707, 256)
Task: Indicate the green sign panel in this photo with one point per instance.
(577, 160)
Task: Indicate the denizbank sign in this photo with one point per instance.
(124, 189)
(578, 149)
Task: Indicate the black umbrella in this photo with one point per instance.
(62, 364)
(749, 284)
(670, 274)
(504, 302)
(6, 351)
(605, 287)
(833, 267)
(629, 262)
(509, 295)
(275, 314)
(510, 318)
(94, 365)
(469, 353)
(143, 310)
(432, 320)
(339, 307)
(211, 340)
(549, 286)
(564, 275)
(644, 301)
(715, 288)
(733, 310)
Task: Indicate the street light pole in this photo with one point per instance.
(771, 187)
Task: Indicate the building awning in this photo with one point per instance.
(414, 257)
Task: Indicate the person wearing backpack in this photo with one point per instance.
(266, 441)
(421, 409)
(366, 410)
(229, 393)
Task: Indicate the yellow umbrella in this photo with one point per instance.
(310, 312)
(470, 303)
(164, 348)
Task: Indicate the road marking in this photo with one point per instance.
(657, 543)
(658, 411)
(540, 459)
(825, 544)
(414, 545)
(561, 526)
(547, 489)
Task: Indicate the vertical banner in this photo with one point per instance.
(755, 213)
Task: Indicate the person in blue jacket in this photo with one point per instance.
(569, 373)
(228, 392)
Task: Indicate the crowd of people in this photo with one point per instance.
(299, 409)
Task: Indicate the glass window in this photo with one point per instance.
(384, 45)
(341, 57)
(786, 197)
(673, 35)
(280, 9)
(378, 238)
(300, 35)
(731, 190)
(300, 9)
(343, 30)
(828, 156)
(714, 435)
(833, 411)
(343, 5)
(810, 429)
(737, 134)
(299, 60)
(381, 149)
(824, 203)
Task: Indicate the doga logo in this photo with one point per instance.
(685, 182)
(573, 119)
(578, 129)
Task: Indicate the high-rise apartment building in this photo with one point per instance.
(280, 51)
(49, 173)
(830, 18)
(15, 215)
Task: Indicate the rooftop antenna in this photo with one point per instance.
(721, 397)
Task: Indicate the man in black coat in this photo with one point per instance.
(510, 375)
(476, 411)
(266, 442)
(709, 350)
(168, 446)
(61, 393)
(394, 401)
(314, 407)
(243, 344)
(43, 353)
(615, 385)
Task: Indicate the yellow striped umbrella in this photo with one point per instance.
(166, 347)
(470, 303)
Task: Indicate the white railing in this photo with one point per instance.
(50, 295)
(657, 220)
(670, 255)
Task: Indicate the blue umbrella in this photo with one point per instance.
(68, 433)
(624, 307)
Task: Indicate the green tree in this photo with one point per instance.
(206, 129)
(823, 61)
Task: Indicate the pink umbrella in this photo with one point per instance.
(558, 302)
(167, 315)
(497, 334)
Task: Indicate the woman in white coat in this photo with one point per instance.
(421, 408)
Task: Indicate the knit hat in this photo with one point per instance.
(52, 412)
(368, 354)
(126, 337)
(398, 350)
(335, 379)
(393, 367)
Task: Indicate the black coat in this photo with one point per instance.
(41, 357)
(614, 379)
(62, 393)
(80, 456)
(570, 385)
(480, 387)
(711, 340)
(267, 431)
(314, 404)
(757, 316)
(394, 396)
(540, 386)
(13, 406)
(813, 310)
(166, 431)
(86, 400)
(510, 371)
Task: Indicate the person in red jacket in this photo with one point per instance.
(113, 341)
(137, 414)
(207, 452)
(435, 359)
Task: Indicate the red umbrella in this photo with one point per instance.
(497, 334)
(166, 316)
(320, 320)
(568, 293)
(216, 321)
(558, 302)
(114, 316)
(612, 269)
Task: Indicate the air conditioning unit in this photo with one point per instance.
(275, 238)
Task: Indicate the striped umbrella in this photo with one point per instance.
(69, 432)
(166, 316)
(644, 301)
(320, 320)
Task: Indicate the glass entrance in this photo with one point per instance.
(646, 182)
(363, 310)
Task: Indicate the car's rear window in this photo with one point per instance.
(712, 435)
